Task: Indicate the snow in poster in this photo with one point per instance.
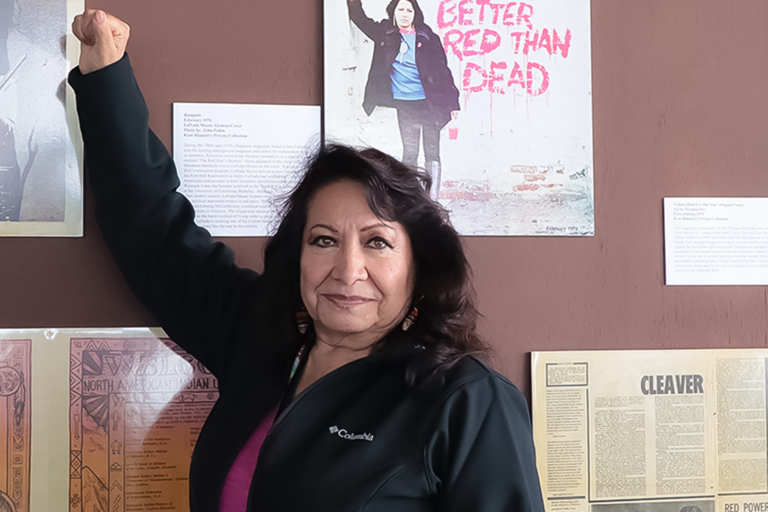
(516, 159)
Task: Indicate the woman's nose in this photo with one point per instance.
(350, 265)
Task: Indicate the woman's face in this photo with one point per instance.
(357, 271)
(404, 15)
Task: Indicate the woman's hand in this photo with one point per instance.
(103, 39)
(454, 114)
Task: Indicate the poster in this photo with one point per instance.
(40, 179)
(95, 420)
(236, 161)
(716, 240)
(136, 408)
(517, 158)
(15, 360)
(657, 430)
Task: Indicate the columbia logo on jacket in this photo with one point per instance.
(342, 433)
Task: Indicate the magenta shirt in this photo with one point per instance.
(234, 495)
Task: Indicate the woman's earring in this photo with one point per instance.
(410, 318)
(302, 319)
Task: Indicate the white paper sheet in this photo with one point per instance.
(235, 160)
(716, 241)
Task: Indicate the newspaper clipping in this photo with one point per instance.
(655, 431)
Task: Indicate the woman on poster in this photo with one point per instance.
(409, 72)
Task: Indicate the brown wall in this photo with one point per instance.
(680, 109)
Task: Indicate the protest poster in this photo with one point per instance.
(98, 420)
(514, 153)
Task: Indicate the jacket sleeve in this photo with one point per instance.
(482, 456)
(191, 285)
(369, 27)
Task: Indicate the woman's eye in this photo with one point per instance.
(323, 241)
(379, 243)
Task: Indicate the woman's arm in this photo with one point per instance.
(483, 457)
(369, 27)
(433, 63)
(189, 284)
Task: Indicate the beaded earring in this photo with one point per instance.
(410, 318)
(302, 319)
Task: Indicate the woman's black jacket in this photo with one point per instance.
(360, 438)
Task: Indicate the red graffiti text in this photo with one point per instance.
(531, 76)
(503, 34)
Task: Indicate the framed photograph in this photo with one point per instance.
(40, 179)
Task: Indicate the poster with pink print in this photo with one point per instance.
(492, 98)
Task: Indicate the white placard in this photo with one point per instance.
(234, 160)
(716, 240)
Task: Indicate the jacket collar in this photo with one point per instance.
(420, 32)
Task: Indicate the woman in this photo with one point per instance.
(409, 72)
(336, 393)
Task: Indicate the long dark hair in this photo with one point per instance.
(418, 14)
(446, 327)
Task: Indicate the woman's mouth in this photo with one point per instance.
(345, 301)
